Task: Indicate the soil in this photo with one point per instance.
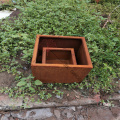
(68, 95)
(6, 79)
(15, 13)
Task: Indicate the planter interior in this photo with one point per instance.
(49, 70)
(58, 56)
(76, 44)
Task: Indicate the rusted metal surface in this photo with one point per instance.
(61, 73)
(58, 56)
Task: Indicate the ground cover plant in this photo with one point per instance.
(67, 18)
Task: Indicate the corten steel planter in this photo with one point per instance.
(58, 56)
(61, 73)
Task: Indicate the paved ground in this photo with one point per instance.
(86, 111)
(65, 113)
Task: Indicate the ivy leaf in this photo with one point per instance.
(29, 84)
(21, 83)
(22, 79)
(38, 82)
(32, 89)
(115, 39)
(118, 53)
(15, 36)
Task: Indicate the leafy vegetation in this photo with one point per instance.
(67, 18)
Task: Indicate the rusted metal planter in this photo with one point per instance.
(58, 56)
(57, 72)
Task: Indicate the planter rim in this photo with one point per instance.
(33, 63)
(59, 36)
(61, 65)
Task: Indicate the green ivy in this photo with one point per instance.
(67, 18)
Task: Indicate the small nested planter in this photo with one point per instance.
(60, 59)
(58, 56)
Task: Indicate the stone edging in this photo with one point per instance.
(7, 103)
